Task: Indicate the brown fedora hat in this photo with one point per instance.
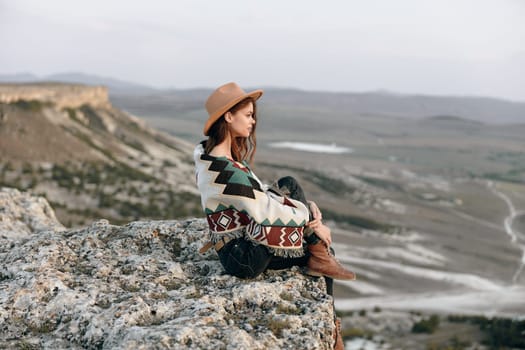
(224, 98)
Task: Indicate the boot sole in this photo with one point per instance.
(319, 274)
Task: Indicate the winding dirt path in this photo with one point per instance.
(516, 237)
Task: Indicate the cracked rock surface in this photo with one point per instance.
(142, 286)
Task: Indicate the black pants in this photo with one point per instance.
(245, 259)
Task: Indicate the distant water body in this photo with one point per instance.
(312, 147)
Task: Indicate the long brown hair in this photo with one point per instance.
(243, 148)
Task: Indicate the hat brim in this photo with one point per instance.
(256, 94)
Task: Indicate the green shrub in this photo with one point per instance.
(72, 113)
(63, 176)
(503, 332)
(499, 332)
(426, 325)
(27, 168)
(349, 333)
(31, 105)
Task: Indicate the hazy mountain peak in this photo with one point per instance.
(114, 85)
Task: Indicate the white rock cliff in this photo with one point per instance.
(142, 286)
(62, 95)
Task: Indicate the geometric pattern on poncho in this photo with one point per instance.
(225, 218)
(228, 220)
(284, 237)
(237, 180)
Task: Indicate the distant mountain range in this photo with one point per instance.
(114, 85)
(380, 103)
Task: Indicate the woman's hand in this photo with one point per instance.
(322, 231)
(314, 209)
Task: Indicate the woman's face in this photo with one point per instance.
(241, 123)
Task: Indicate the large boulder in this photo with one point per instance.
(142, 286)
(22, 215)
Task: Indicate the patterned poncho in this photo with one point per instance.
(236, 204)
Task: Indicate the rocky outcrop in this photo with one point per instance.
(142, 286)
(23, 215)
(92, 162)
(60, 95)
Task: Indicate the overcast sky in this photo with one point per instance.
(445, 47)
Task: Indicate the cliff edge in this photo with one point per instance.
(60, 94)
(91, 160)
(142, 285)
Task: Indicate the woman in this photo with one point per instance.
(254, 228)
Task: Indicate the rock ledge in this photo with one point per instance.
(142, 286)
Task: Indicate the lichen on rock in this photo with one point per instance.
(143, 286)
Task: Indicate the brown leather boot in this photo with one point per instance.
(338, 338)
(322, 263)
